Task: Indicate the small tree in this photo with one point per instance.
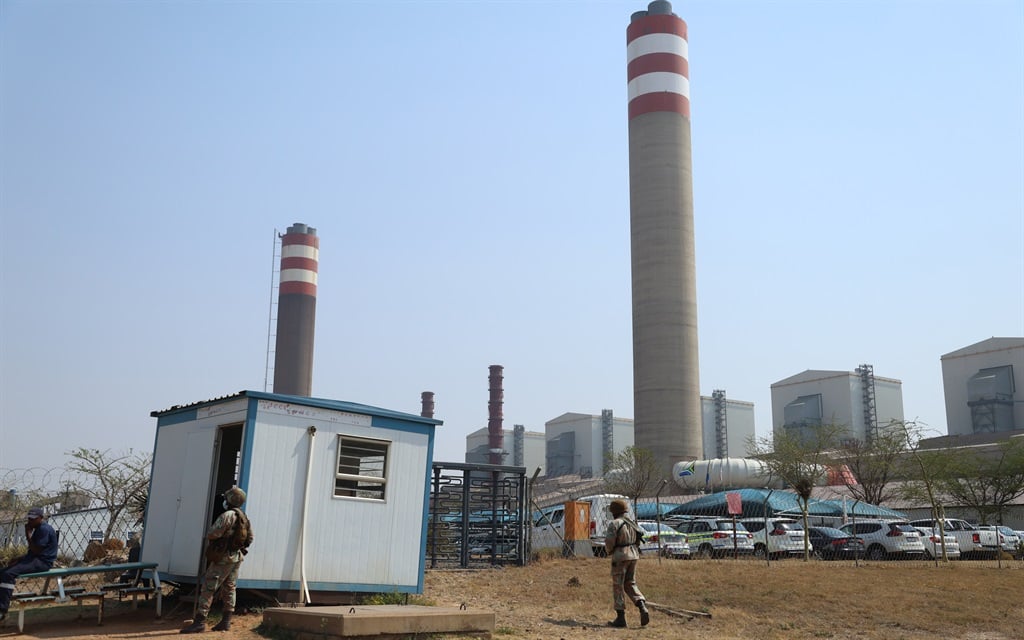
(799, 458)
(118, 481)
(923, 474)
(986, 481)
(633, 473)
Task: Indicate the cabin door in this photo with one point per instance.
(227, 463)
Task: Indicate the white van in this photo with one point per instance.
(549, 524)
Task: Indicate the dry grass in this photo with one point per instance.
(748, 599)
(789, 600)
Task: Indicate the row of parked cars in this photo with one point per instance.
(777, 537)
(780, 537)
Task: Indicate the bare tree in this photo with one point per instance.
(799, 457)
(118, 481)
(874, 463)
(633, 473)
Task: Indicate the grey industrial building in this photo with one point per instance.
(980, 387)
(728, 426)
(857, 399)
(579, 443)
(522, 448)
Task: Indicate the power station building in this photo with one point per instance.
(728, 426)
(666, 386)
(980, 387)
(858, 399)
(578, 443)
(522, 448)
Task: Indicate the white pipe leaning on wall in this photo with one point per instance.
(727, 473)
(305, 506)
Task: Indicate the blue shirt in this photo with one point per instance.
(44, 536)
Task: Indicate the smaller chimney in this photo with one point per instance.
(495, 436)
(427, 404)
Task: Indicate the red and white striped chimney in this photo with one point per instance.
(296, 311)
(666, 390)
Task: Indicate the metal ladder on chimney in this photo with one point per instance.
(275, 284)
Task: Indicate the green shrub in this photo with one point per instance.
(396, 598)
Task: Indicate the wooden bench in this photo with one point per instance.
(79, 594)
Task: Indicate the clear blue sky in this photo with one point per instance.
(858, 181)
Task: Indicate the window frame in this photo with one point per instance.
(363, 484)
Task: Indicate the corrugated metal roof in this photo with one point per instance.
(757, 501)
(323, 403)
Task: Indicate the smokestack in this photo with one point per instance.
(427, 404)
(666, 389)
(495, 436)
(296, 311)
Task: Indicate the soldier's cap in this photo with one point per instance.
(35, 512)
(618, 507)
(234, 496)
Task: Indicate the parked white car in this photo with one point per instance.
(715, 537)
(933, 544)
(670, 542)
(887, 538)
(777, 536)
(1008, 538)
(973, 541)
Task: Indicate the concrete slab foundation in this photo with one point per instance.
(378, 622)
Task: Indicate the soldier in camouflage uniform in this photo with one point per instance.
(620, 541)
(223, 561)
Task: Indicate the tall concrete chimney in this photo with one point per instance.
(495, 435)
(666, 389)
(296, 311)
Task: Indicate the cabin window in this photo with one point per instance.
(362, 468)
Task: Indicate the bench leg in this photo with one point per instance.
(99, 615)
(21, 620)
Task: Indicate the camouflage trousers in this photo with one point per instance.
(624, 583)
(219, 576)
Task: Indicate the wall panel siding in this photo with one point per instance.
(341, 532)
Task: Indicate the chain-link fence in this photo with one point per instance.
(767, 525)
(87, 533)
(83, 535)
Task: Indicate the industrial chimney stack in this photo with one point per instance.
(666, 389)
(296, 311)
(427, 404)
(495, 435)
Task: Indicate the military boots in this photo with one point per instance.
(197, 626)
(225, 622)
(620, 619)
(645, 615)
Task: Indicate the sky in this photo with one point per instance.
(858, 199)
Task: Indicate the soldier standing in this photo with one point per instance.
(228, 541)
(621, 542)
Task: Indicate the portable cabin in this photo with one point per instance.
(337, 493)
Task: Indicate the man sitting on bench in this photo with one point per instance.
(42, 552)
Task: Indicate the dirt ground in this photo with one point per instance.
(567, 599)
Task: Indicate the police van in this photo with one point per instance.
(549, 523)
(715, 537)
